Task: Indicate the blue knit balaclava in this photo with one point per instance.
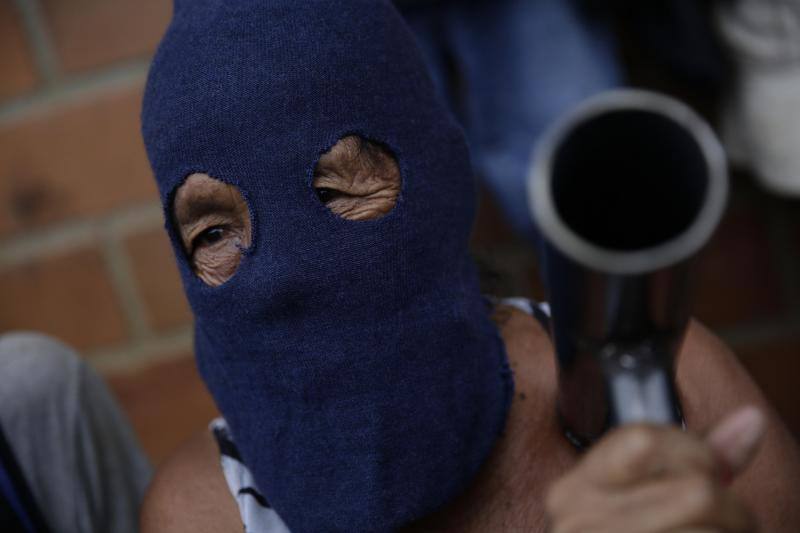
(354, 361)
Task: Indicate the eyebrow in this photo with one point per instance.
(364, 153)
(199, 206)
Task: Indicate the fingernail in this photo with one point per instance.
(736, 439)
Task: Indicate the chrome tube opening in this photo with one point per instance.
(629, 179)
(629, 182)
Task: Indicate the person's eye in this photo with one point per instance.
(209, 237)
(326, 195)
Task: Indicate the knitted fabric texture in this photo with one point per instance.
(354, 361)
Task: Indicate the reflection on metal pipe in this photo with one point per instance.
(625, 190)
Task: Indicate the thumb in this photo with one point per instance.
(735, 440)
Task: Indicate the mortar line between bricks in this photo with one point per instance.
(74, 89)
(39, 40)
(125, 286)
(48, 241)
(133, 356)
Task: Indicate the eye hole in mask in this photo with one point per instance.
(213, 221)
(357, 179)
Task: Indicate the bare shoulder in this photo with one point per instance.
(189, 493)
(523, 336)
(712, 383)
(711, 379)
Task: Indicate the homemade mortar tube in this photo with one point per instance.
(625, 189)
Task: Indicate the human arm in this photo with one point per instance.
(712, 383)
(648, 478)
(189, 493)
(510, 492)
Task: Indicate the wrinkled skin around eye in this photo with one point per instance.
(214, 225)
(356, 179)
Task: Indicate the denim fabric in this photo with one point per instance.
(355, 362)
(520, 64)
(16, 504)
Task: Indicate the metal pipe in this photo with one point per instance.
(625, 190)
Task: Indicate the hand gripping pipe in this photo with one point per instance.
(625, 190)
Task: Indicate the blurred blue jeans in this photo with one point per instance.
(518, 65)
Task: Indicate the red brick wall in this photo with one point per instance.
(83, 255)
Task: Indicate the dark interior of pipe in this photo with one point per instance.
(629, 180)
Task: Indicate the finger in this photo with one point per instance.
(635, 453)
(735, 440)
(690, 503)
(727, 514)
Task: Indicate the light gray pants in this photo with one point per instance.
(74, 446)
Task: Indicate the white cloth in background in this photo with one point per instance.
(761, 125)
